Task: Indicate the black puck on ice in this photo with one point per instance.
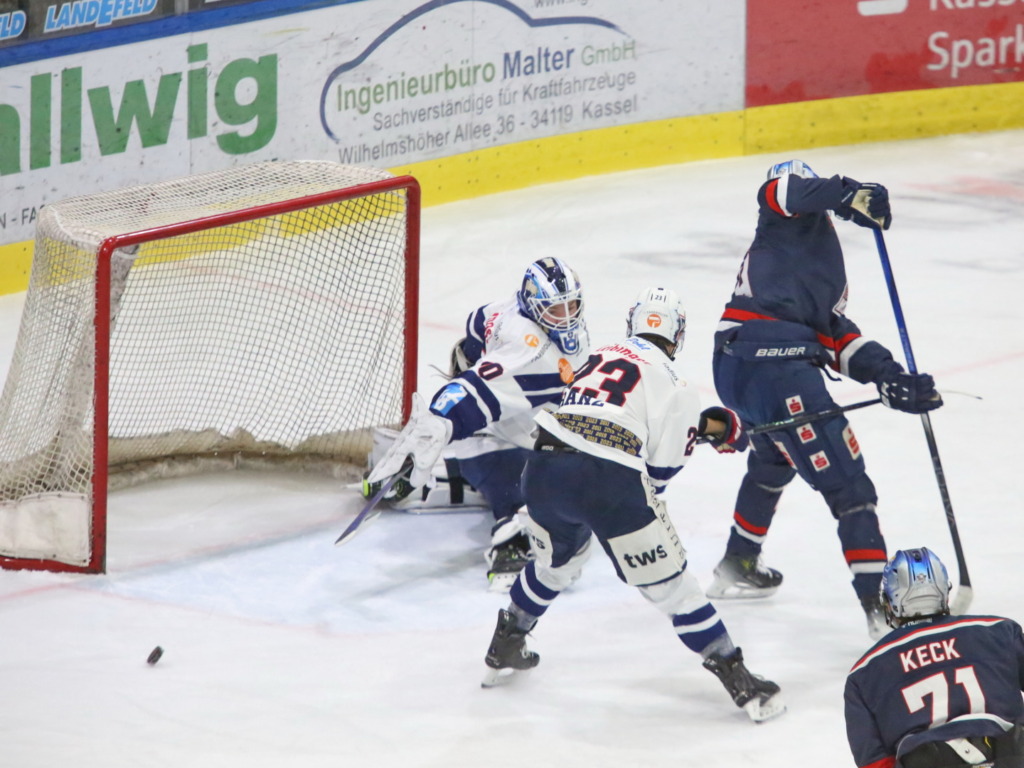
(154, 655)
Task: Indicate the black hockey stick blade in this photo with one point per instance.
(372, 510)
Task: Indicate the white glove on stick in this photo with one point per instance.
(423, 439)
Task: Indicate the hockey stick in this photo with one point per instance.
(798, 421)
(965, 593)
(372, 511)
(807, 418)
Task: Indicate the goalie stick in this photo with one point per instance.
(372, 510)
(964, 593)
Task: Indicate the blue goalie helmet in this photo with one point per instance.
(915, 585)
(658, 312)
(794, 167)
(551, 296)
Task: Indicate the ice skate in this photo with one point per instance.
(506, 560)
(507, 655)
(738, 577)
(877, 628)
(759, 698)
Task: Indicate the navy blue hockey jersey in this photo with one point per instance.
(792, 283)
(950, 677)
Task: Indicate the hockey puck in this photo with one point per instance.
(154, 655)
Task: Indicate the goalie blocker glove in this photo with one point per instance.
(422, 440)
(865, 204)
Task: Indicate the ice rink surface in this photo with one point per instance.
(284, 650)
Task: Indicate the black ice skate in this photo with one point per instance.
(507, 654)
(506, 560)
(738, 577)
(759, 698)
(872, 605)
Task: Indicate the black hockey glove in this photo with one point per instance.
(730, 440)
(458, 362)
(909, 392)
(865, 204)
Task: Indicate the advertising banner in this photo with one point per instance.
(383, 82)
(42, 20)
(799, 50)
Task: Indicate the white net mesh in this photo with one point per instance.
(281, 338)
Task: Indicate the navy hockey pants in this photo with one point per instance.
(496, 476)
(824, 453)
(571, 496)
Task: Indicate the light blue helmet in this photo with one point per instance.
(794, 167)
(551, 296)
(658, 312)
(915, 585)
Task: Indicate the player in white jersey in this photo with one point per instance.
(515, 360)
(626, 425)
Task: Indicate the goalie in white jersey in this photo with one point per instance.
(626, 425)
(515, 360)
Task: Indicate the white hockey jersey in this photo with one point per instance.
(520, 372)
(628, 405)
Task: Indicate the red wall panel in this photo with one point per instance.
(799, 50)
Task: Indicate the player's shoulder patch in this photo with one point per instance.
(519, 341)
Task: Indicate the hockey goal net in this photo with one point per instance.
(260, 314)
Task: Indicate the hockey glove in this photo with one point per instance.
(422, 439)
(909, 392)
(399, 490)
(865, 204)
(727, 435)
(458, 362)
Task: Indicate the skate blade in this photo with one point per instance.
(759, 711)
(497, 677)
(501, 582)
(732, 591)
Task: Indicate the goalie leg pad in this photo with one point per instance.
(447, 489)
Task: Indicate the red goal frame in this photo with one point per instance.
(102, 328)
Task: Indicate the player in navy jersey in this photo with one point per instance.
(517, 356)
(626, 425)
(938, 691)
(784, 324)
